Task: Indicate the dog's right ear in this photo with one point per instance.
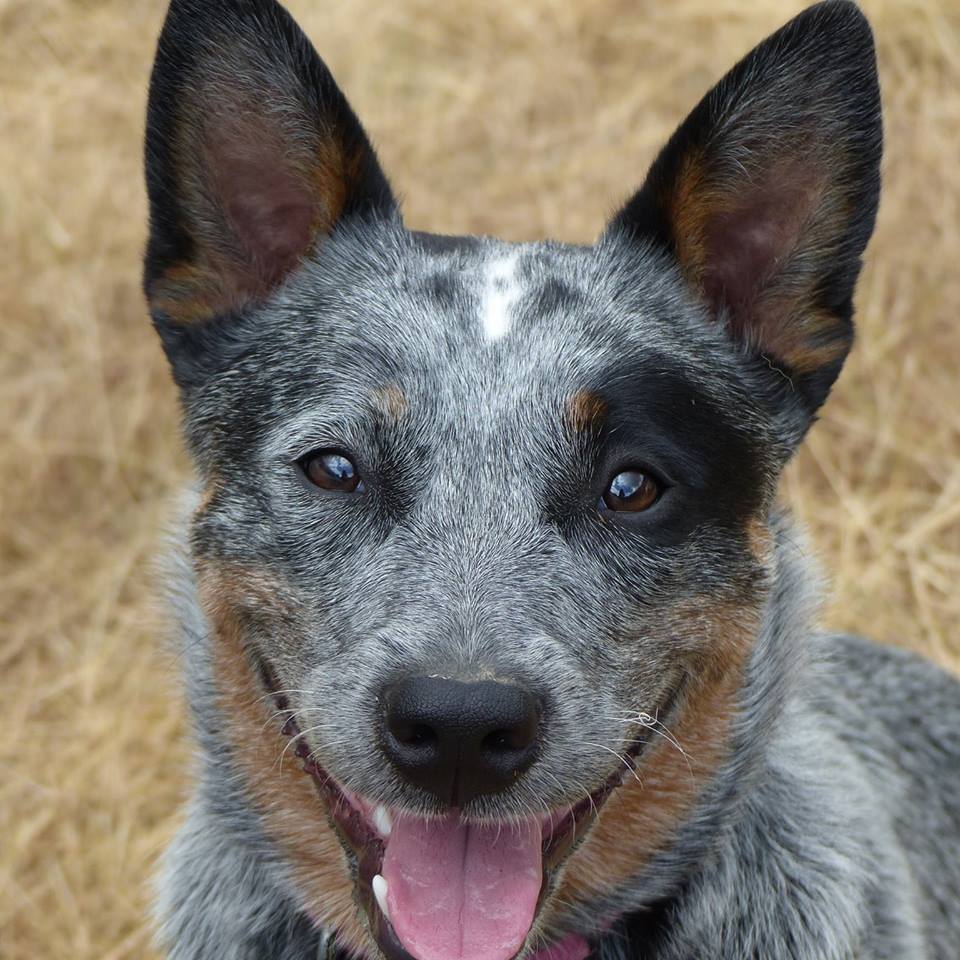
(253, 156)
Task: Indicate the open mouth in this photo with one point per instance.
(445, 888)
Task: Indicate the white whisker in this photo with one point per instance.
(643, 719)
(620, 757)
(298, 736)
(281, 693)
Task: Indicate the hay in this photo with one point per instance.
(524, 118)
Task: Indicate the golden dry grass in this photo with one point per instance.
(523, 118)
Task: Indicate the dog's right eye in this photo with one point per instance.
(331, 470)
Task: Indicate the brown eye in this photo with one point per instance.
(331, 470)
(631, 490)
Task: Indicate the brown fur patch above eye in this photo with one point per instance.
(586, 410)
(639, 821)
(292, 813)
(390, 400)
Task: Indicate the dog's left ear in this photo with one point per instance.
(767, 194)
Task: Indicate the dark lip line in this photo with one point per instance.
(365, 849)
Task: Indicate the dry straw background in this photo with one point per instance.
(527, 118)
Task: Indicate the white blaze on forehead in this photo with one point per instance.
(500, 293)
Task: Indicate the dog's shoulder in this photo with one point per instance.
(898, 714)
(908, 706)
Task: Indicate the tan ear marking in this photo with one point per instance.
(754, 239)
(811, 341)
(690, 202)
(328, 174)
(189, 293)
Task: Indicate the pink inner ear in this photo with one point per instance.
(750, 243)
(272, 214)
(268, 203)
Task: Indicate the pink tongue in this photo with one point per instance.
(459, 892)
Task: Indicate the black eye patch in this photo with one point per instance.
(656, 419)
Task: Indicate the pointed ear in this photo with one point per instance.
(767, 194)
(252, 156)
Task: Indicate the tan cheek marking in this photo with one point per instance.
(292, 813)
(637, 822)
(586, 410)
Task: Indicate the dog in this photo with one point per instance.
(497, 642)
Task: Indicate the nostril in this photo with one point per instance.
(415, 735)
(504, 741)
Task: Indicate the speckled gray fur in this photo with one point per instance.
(831, 831)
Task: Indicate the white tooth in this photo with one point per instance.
(382, 821)
(380, 892)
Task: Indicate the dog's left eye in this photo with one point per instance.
(331, 470)
(631, 490)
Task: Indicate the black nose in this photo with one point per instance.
(459, 740)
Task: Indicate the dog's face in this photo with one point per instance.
(487, 523)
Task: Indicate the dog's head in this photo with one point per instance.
(485, 526)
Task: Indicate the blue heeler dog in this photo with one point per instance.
(496, 641)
